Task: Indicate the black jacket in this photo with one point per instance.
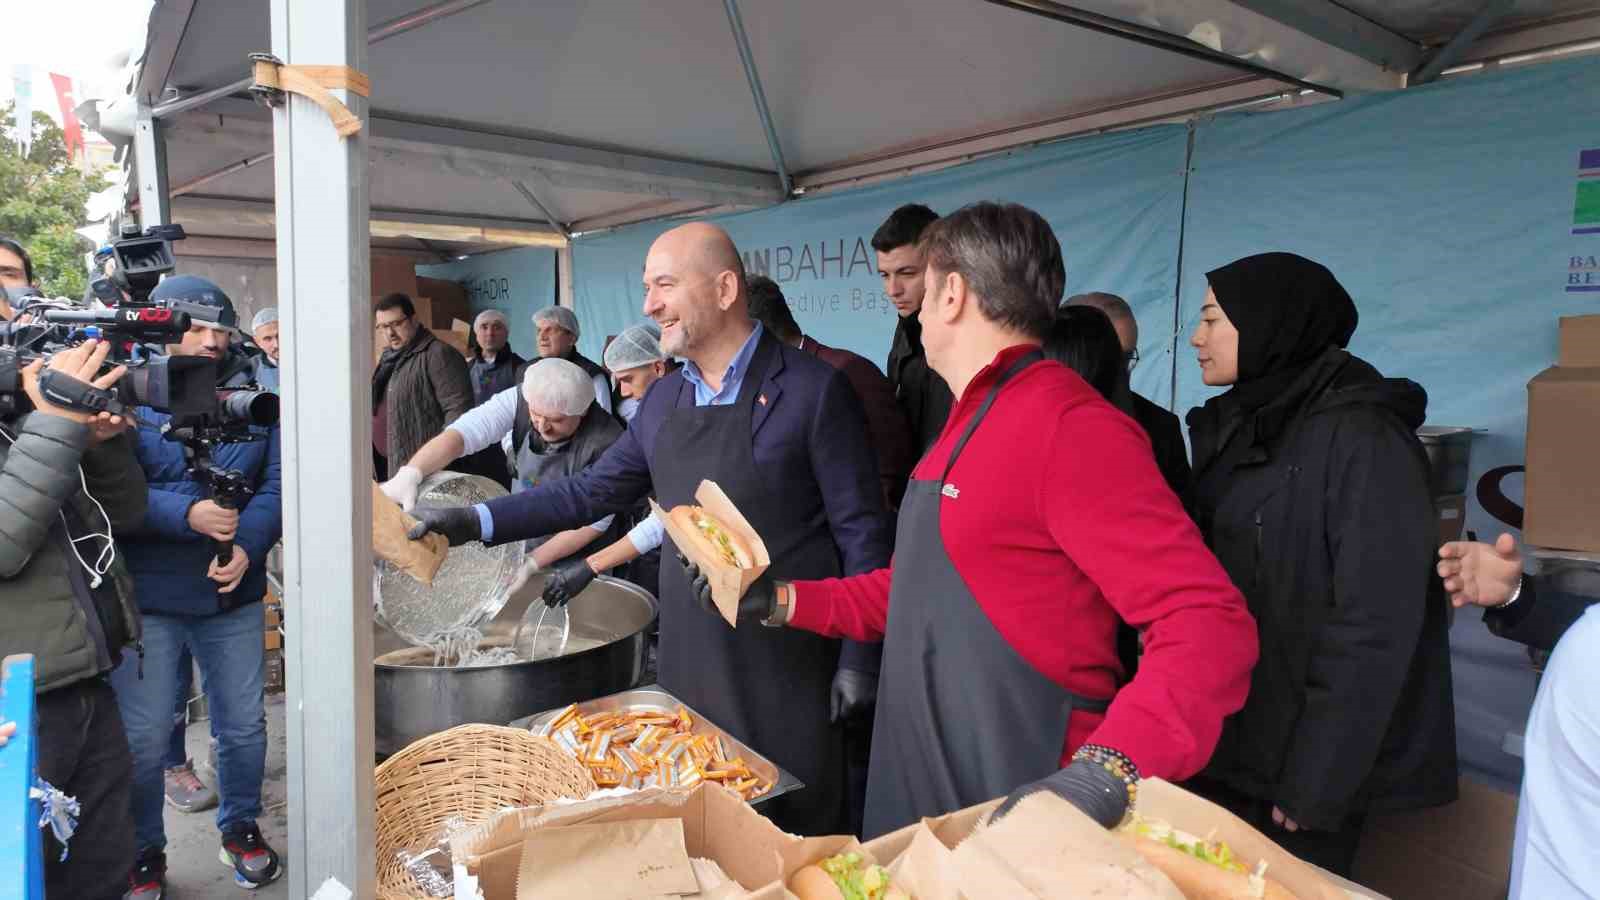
(1322, 517)
(1539, 617)
(919, 390)
(1166, 438)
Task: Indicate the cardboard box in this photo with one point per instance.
(274, 640)
(728, 583)
(1561, 489)
(1457, 852)
(1452, 516)
(717, 825)
(449, 292)
(439, 312)
(454, 338)
(1580, 342)
(393, 273)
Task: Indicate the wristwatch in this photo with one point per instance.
(782, 596)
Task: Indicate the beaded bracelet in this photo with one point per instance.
(1114, 761)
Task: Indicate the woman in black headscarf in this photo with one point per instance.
(1312, 489)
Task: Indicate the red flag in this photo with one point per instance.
(70, 129)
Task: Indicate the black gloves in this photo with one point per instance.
(459, 524)
(757, 604)
(1087, 785)
(854, 693)
(566, 580)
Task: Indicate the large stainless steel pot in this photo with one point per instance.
(414, 698)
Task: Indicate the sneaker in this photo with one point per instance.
(185, 791)
(148, 880)
(254, 863)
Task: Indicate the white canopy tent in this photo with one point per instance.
(498, 123)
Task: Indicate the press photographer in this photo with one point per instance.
(70, 488)
(193, 599)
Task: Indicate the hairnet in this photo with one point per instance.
(637, 345)
(556, 384)
(491, 315)
(558, 315)
(268, 316)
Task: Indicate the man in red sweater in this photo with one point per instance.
(1034, 523)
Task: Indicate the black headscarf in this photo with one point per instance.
(1288, 311)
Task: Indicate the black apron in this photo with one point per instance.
(768, 687)
(962, 718)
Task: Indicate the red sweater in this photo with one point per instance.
(1062, 524)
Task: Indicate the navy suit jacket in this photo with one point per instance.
(811, 433)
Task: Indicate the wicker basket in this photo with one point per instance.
(470, 771)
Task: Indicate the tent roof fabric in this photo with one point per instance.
(595, 114)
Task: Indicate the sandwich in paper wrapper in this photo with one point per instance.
(709, 845)
(1045, 848)
(722, 544)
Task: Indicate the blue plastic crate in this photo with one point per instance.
(21, 841)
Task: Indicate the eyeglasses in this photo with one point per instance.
(391, 326)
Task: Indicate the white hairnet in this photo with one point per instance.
(637, 345)
(491, 315)
(555, 384)
(558, 315)
(265, 317)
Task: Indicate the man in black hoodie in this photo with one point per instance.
(921, 393)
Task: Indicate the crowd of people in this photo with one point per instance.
(991, 535)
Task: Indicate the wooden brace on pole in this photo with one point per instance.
(273, 79)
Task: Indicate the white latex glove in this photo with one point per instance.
(402, 488)
(528, 569)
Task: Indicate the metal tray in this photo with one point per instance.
(653, 699)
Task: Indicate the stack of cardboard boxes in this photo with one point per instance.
(1561, 491)
(441, 305)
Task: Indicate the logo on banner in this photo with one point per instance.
(829, 265)
(1583, 269)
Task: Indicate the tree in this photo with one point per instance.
(42, 202)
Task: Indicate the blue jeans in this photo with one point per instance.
(232, 661)
(178, 751)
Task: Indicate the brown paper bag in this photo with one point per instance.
(925, 870)
(612, 861)
(1046, 849)
(419, 559)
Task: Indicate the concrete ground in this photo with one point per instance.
(193, 871)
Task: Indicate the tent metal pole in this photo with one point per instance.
(751, 74)
(532, 198)
(1466, 37)
(323, 245)
(150, 162)
(1151, 37)
(411, 21)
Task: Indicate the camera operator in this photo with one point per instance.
(16, 273)
(190, 600)
(68, 483)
